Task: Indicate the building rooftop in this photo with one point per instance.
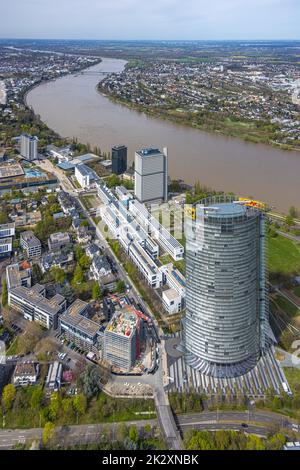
(149, 152)
(30, 238)
(89, 327)
(34, 297)
(123, 323)
(77, 307)
(8, 170)
(25, 369)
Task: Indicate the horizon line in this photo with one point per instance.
(140, 39)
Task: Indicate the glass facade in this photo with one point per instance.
(226, 302)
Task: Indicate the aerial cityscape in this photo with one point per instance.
(150, 232)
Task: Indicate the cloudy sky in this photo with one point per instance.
(150, 19)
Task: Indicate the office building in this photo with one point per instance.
(152, 226)
(78, 329)
(18, 275)
(29, 147)
(7, 230)
(85, 175)
(226, 325)
(6, 245)
(34, 305)
(31, 244)
(120, 340)
(151, 175)
(118, 159)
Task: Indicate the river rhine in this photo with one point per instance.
(72, 106)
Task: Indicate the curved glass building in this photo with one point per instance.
(226, 305)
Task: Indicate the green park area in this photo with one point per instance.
(283, 256)
(287, 306)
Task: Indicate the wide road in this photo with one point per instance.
(257, 422)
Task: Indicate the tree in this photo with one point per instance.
(58, 274)
(293, 212)
(36, 273)
(289, 220)
(96, 291)
(48, 432)
(4, 292)
(120, 286)
(36, 398)
(133, 434)
(90, 380)
(78, 275)
(84, 223)
(84, 261)
(79, 403)
(8, 396)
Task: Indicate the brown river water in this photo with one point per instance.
(72, 106)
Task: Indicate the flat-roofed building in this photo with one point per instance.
(53, 381)
(172, 301)
(17, 275)
(10, 170)
(7, 230)
(151, 175)
(34, 306)
(28, 148)
(118, 159)
(120, 340)
(5, 246)
(58, 240)
(31, 244)
(80, 330)
(85, 175)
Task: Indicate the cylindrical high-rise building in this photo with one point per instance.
(226, 304)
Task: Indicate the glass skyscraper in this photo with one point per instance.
(226, 322)
(119, 159)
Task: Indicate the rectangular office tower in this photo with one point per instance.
(28, 148)
(119, 159)
(151, 175)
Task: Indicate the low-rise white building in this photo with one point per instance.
(26, 373)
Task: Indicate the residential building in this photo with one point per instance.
(118, 159)
(151, 175)
(100, 267)
(92, 250)
(34, 306)
(226, 324)
(18, 275)
(31, 244)
(66, 202)
(53, 381)
(120, 340)
(29, 145)
(58, 240)
(26, 373)
(59, 259)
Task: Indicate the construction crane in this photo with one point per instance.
(139, 315)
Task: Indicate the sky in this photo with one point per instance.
(150, 19)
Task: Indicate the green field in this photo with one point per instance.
(287, 306)
(293, 378)
(283, 255)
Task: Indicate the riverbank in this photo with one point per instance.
(245, 131)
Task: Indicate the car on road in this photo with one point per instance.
(244, 425)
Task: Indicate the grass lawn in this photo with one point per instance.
(296, 291)
(287, 306)
(293, 377)
(91, 201)
(284, 255)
